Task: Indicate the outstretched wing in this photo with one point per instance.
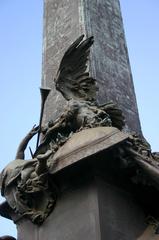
(72, 80)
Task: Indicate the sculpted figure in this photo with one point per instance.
(79, 89)
(22, 181)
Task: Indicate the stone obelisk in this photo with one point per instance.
(64, 21)
(96, 200)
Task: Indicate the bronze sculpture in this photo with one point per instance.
(79, 89)
(23, 182)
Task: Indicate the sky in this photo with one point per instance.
(21, 63)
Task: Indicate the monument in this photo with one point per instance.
(64, 21)
(93, 175)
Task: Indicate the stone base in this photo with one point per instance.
(94, 203)
(96, 210)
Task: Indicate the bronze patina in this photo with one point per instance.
(83, 129)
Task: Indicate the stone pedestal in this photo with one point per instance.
(97, 198)
(95, 211)
(64, 21)
(92, 204)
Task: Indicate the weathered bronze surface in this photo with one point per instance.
(24, 182)
(79, 89)
(84, 144)
(83, 130)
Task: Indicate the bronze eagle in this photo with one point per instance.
(74, 82)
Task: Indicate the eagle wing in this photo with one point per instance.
(72, 79)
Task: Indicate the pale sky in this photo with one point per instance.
(20, 61)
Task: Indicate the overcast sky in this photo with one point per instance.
(20, 64)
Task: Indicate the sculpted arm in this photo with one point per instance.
(22, 146)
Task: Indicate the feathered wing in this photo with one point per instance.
(115, 113)
(72, 79)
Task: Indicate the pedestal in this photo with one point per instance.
(95, 202)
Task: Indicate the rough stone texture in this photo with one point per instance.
(62, 25)
(64, 21)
